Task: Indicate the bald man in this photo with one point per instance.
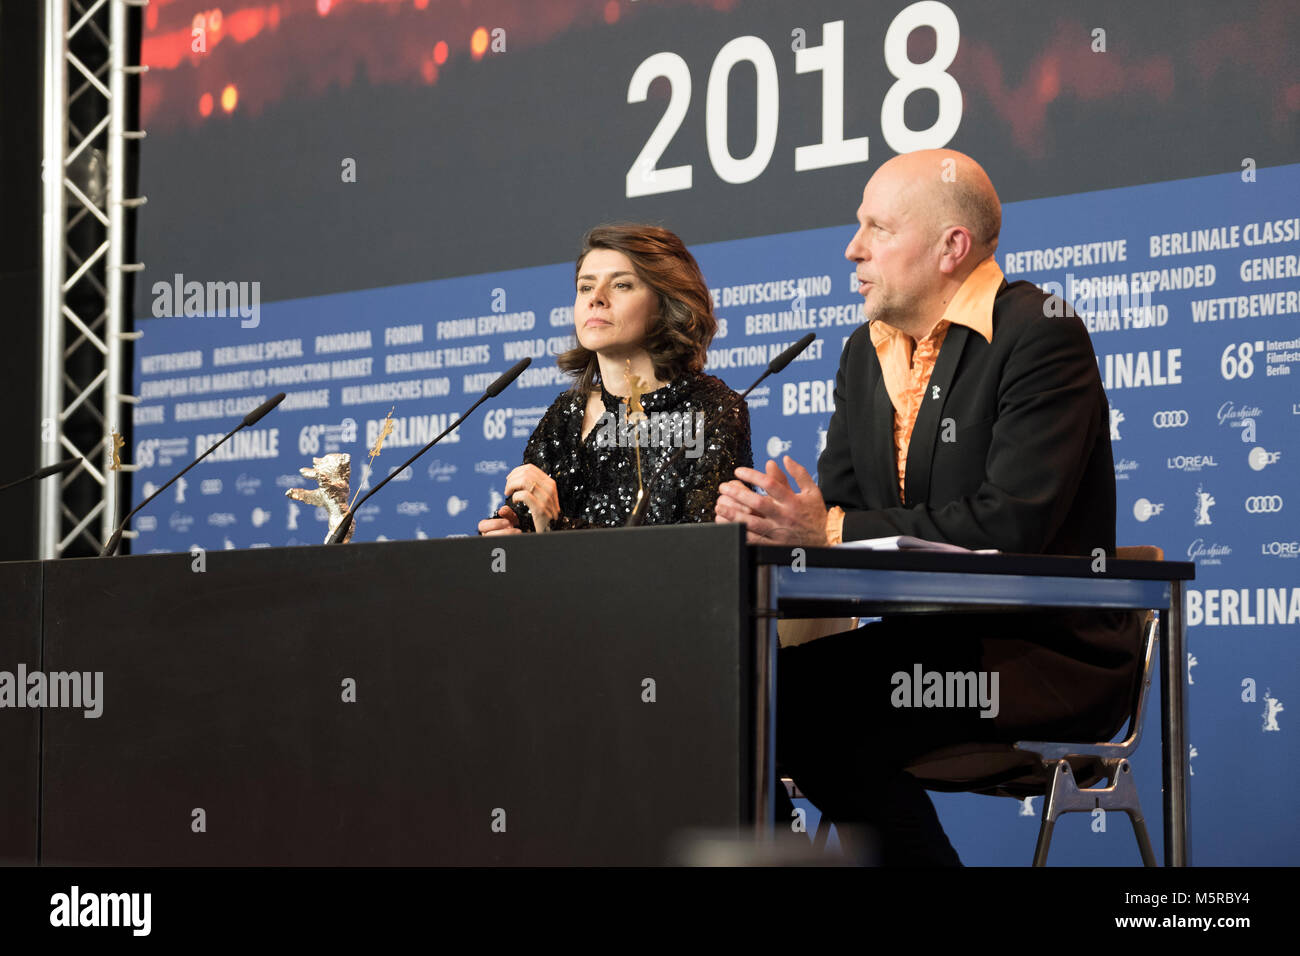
(967, 411)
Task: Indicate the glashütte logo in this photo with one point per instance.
(1260, 458)
(247, 484)
(1123, 467)
(1144, 509)
(179, 521)
(1280, 549)
(1191, 462)
(1263, 504)
(1204, 553)
(1175, 418)
(1232, 416)
(441, 471)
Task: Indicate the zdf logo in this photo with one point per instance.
(1176, 418)
(1263, 504)
(1144, 509)
(776, 446)
(1260, 458)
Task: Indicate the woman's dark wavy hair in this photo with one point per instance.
(679, 335)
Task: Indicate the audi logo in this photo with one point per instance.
(1171, 419)
(1263, 504)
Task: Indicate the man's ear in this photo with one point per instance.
(956, 246)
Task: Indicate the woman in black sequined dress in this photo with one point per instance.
(644, 319)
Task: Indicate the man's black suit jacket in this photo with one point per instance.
(1011, 450)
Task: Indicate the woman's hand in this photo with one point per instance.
(537, 490)
(506, 522)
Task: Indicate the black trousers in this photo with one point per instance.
(844, 737)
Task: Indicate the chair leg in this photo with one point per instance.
(1061, 797)
(1065, 796)
(823, 832)
(1123, 795)
(1044, 840)
(1144, 841)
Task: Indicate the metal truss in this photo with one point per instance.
(84, 335)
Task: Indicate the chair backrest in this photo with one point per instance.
(1150, 628)
(1002, 770)
(1140, 552)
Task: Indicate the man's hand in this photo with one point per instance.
(782, 516)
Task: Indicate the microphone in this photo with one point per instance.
(252, 418)
(492, 391)
(57, 469)
(257, 414)
(777, 364)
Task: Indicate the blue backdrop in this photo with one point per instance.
(1191, 291)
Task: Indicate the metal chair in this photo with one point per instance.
(1065, 773)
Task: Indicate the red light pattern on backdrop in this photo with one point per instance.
(262, 49)
(265, 48)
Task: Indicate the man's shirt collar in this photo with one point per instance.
(972, 306)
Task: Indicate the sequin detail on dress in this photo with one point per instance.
(596, 476)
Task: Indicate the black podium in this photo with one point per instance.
(537, 699)
(594, 697)
(20, 729)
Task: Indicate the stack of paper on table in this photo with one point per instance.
(905, 542)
